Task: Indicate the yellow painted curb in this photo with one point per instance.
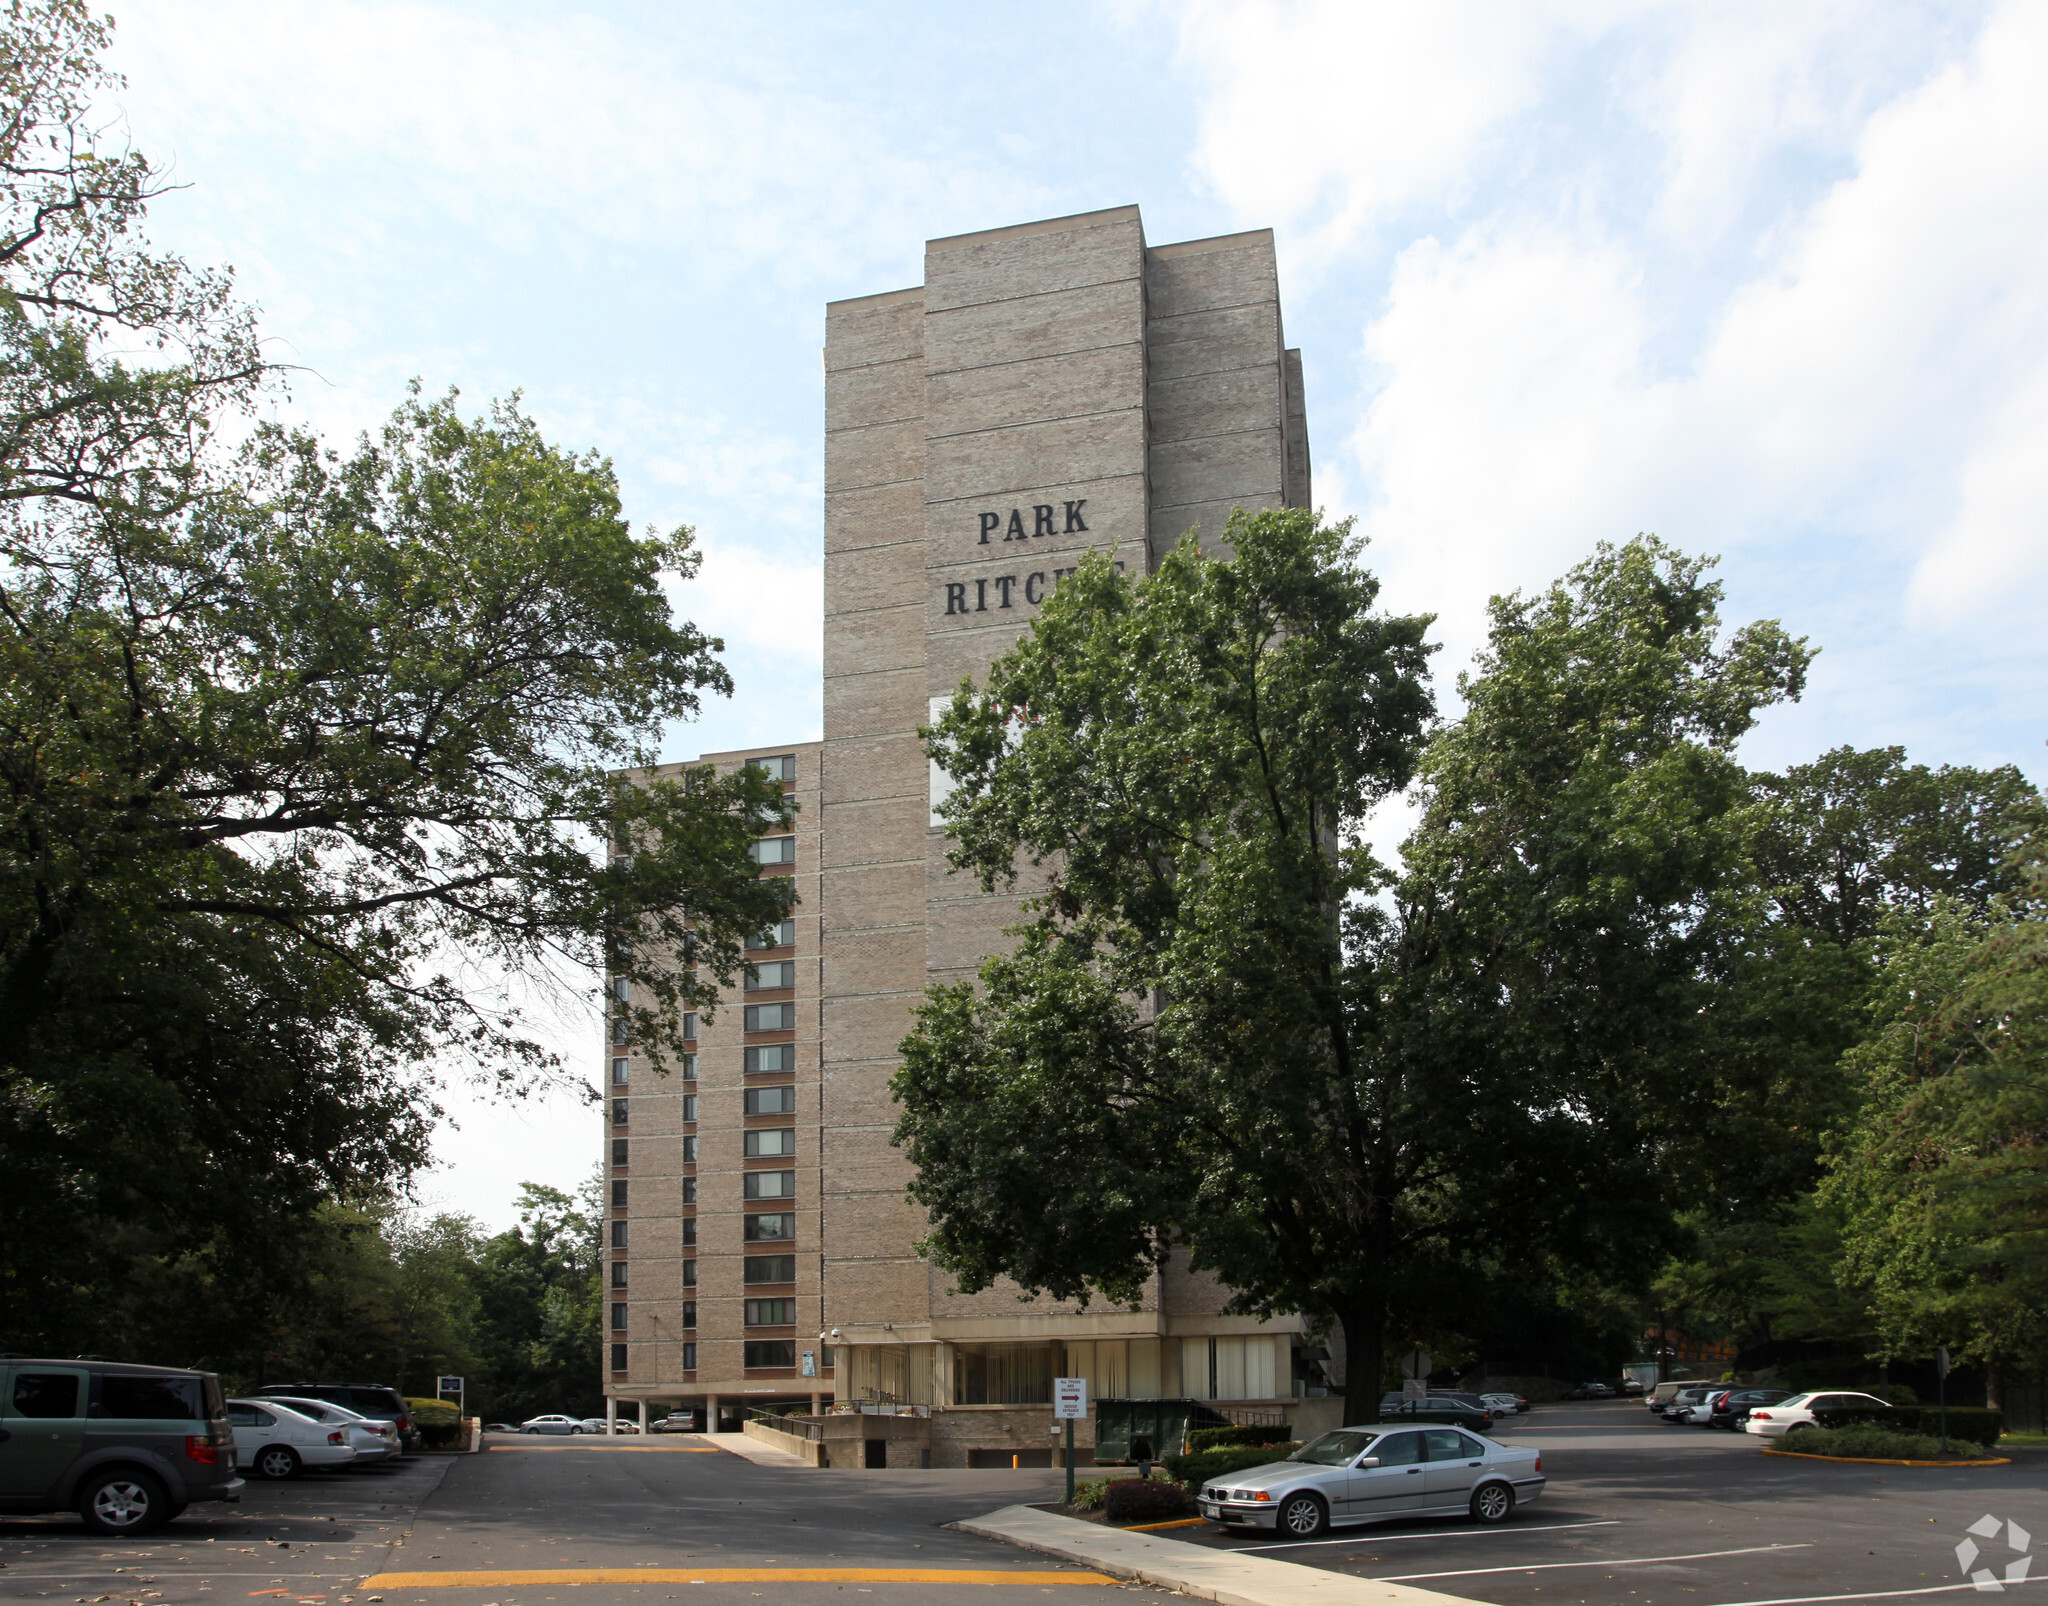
(723, 1575)
(1876, 1461)
(1154, 1527)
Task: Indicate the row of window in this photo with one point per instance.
(755, 1184)
(777, 1227)
(753, 1269)
(756, 1101)
(757, 1017)
(764, 1059)
(754, 1313)
(757, 1355)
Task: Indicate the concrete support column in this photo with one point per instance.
(611, 1414)
(643, 1413)
(817, 1402)
(711, 1413)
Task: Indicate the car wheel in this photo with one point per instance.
(122, 1502)
(1492, 1503)
(1302, 1516)
(277, 1461)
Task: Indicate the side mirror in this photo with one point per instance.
(1367, 1461)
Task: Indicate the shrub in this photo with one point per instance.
(1225, 1438)
(1196, 1470)
(1979, 1423)
(1875, 1443)
(1130, 1500)
(1089, 1494)
(439, 1422)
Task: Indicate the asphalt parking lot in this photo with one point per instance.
(1636, 1514)
(1642, 1514)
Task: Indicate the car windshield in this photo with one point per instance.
(1334, 1449)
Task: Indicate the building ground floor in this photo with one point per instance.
(968, 1401)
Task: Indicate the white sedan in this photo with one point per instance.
(375, 1440)
(276, 1441)
(1802, 1411)
(551, 1424)
(597, 1424)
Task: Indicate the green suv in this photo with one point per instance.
(126, 1447)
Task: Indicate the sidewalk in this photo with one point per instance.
(1219, 1575)
(749, 1449)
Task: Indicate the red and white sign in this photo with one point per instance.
(1070, 1399)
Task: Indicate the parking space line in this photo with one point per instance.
(1877, 1594)
(1367, 1537)
(726, 1575)
(1618, 1561)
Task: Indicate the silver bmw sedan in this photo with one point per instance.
(1374, 1474)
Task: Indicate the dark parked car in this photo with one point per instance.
(1591, 1391)
(369, 1399)
(126, 1447)
(1466, 1411)
(1733, 1408)
(1686, 1400)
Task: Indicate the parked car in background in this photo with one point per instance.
(274, 1441)
(501, 1427)
(369, 1399)
(1503, 1401)
(1632, 1386)
(676, 1422)
(1591, 1391)
(1384, 1473)
(1680, 1405)
(158, 1441)
(1662, 1395)
(373, 1439)
(1701, 1413)
(1732, 1409)
(597, 1424)
(1466, 1411)
(551, 1423)
(1802, 1411)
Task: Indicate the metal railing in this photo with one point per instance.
(797, 1427)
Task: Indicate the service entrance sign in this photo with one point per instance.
(1070, 1399)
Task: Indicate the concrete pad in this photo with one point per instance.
(1230, 1577)
(762, 1455)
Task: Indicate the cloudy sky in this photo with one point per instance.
(1768, 279)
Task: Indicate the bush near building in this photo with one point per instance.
(1224, 1438)
(1133, 1500)
(439, 1422)
(1197, 1468)
(1873, 1443)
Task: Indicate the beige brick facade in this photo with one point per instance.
(1050, 390)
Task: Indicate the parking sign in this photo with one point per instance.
(449, 1385)
(1070, 1399)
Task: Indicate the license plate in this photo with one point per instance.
(1212, 1512)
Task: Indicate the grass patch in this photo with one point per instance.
(2024, 1441)
(1877, 1444)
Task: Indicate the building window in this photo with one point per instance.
(689, 1231)
(766, 1353)
(618, 1357)
(771, 1017)
(689, 1025)
(769, 1269)
(689, 1151)
(622, 1031)
(778, 1228)
(773, 850)
(689, 1067)
(769, 1312)
(689, 1274)
(776, 973)
(770, 1142)
(622, 989)
(768, 1185)
(618, 1112)
(689, 1190)
(619, 1316)
(619, 1194)
(780, 935)
(1002, 1374)
(689, 1313)
(774, 1057)
(689, 1106)
(618, 1274)
(618, 1235)
(771, 1100)
(620, 1070)
(619, 1151)
(689, 1357)
(782, 767)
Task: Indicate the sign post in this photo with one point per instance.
(1415, 1369)
(445, 1386)
(1070, 1405)
(1941, 1381)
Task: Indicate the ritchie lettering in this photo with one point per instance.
(1044, 517)
(1036, 586)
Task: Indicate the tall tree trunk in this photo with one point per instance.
(1365, 1340)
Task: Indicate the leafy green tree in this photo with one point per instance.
(540, 1305)
(1942, 1178)
(1226, 1025)
(294, 746)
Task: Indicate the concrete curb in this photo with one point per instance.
(1229, 1577)
(1880, 1461)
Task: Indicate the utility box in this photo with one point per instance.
(1167, 1423)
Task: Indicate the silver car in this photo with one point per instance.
(1377, 1474)
(373, 1439)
